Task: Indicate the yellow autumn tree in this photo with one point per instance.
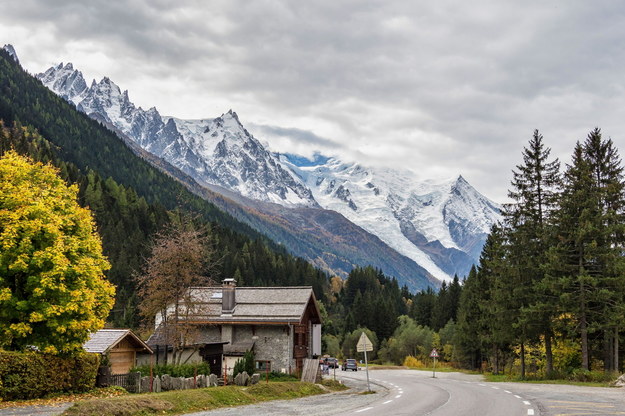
(53, 291)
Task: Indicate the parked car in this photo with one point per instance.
(332, 362)
(350, 364)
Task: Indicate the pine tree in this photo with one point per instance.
(534, 191)
(498, 310)
(574, 254)
(607, 173)
(470, 329)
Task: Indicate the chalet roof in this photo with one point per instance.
(256, 305)
(102, 341)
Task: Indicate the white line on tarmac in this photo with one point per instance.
(525, 402)
(496, 388)
(530, 412)
(518, 397)
(398, 396)
(387, 402)
(363, 410)
(509, 392)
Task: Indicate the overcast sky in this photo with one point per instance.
(440, 87)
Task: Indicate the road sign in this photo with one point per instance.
(364, 343)
(434, 353)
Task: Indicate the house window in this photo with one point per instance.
(263, 366)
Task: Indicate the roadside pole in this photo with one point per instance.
(434, 355)
(367, 370)
(364, 344)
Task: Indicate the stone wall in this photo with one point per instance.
(274, 344)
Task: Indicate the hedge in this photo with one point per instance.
(31, 375)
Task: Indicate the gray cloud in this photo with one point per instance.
(442, 87)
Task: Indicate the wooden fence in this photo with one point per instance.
(131, 381)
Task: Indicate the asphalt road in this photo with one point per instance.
(410, 392)
(449, 394)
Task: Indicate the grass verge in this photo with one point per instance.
(184, 401)
(516, 379)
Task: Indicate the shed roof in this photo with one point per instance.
(102, 341)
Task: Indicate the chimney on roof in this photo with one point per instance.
(228, 300)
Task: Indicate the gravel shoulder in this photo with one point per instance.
(39, 410)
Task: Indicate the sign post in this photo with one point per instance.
(434, 355)
(364, 345)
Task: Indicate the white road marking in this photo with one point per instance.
(398, 396)
(483, 385)
(509, 392)
(518, 397)
(530, 412)
(387, 402)
(496, 388)
(363, 410)
(525, 402)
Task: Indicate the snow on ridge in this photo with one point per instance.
(382, 200)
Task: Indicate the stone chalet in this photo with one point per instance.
(281, 325)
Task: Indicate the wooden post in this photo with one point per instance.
(267, 371)
(151, 374)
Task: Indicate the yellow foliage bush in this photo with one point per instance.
(413, 362)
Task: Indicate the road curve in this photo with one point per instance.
(399, 392)
(418, 393)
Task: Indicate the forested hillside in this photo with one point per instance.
(130, 199)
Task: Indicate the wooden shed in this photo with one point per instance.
(120, 345)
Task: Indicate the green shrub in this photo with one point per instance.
(182, 370)
(246, 363)
(30, 375)
(277, 376)
(593, 376)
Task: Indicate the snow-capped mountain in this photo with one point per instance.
(216, 151)
(440, 225)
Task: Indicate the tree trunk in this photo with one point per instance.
(583, 324)
(615, 361)
(522, 361)
(496, 360)
(608, 352)
(584, 336)
(549, 355)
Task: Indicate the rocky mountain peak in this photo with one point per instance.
(9, 48)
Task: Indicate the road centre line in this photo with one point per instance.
(518, 397)
(398, 396)
(483, 385)
(509, 392)
(525, 402)
(387, 402)
(493, 387)
(363, 410)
